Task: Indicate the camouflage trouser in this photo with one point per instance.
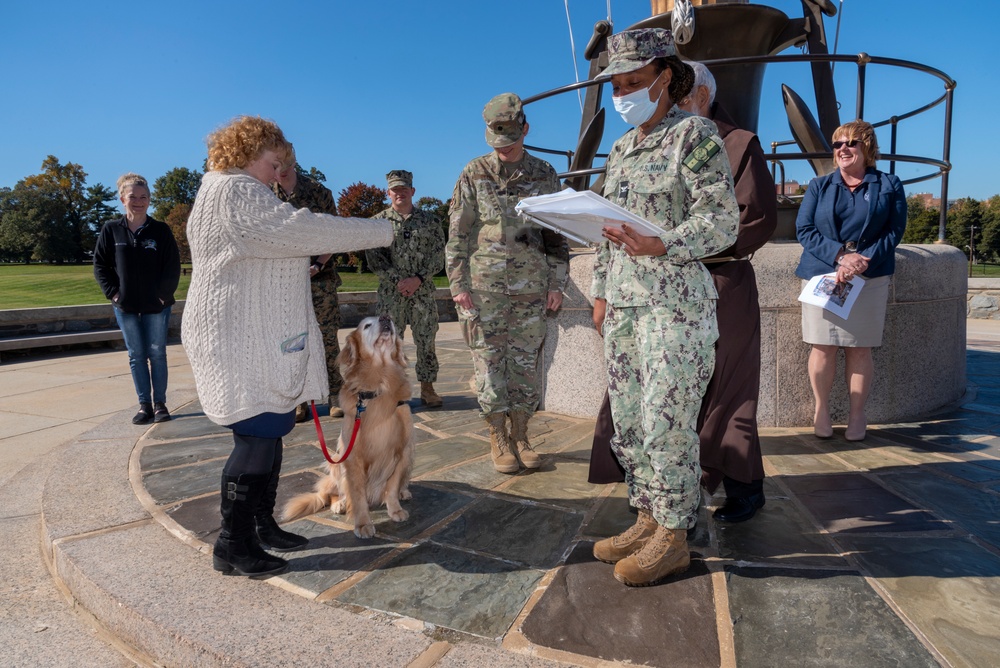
(420, 313)
(505, 333)
(659, 363)
(327, 307)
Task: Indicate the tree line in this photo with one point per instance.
(54, 216)
(972, 226)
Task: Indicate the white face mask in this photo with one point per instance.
(636, 108)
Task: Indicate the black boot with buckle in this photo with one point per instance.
(237, 551)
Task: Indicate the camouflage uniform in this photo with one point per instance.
(660, 327)
(508, 266)
(417, 250)
(313, 195)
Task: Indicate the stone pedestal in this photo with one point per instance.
(919, 367)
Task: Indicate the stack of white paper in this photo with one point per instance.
(580, 215)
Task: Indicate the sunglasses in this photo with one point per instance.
(849, 144)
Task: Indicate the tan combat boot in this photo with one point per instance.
(428, 396)
(504, 460)
(665, 553)
(614, 549)
(302, 412)
(519, 435)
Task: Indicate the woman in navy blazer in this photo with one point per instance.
(849, 223)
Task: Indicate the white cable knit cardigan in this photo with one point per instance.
(249, 301)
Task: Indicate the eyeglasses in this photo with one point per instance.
(849, 144)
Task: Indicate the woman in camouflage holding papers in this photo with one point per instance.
(654, 300)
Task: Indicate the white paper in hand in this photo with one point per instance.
(580, 216)
(837, 298)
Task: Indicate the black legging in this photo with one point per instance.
(253, 455)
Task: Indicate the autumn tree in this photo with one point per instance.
(178, 186)
(53, 215)
(360, 200)
(177, 221)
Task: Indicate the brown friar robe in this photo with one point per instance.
(727, 424)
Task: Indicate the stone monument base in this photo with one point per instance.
(919, 368)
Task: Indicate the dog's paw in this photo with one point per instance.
(405, 494)
(364, 530)
(338, 507)
(399, 515)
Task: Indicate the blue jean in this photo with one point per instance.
(146, 339)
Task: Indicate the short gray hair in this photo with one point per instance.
(702, 77)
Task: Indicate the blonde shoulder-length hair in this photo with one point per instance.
(243, 140)
(865, 133)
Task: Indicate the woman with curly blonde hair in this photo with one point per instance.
(249, 328)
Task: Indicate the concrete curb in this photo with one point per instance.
(160, 601)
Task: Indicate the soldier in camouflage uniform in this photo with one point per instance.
(659, 328)
(504, 274)
(406, 270)
(305, 193)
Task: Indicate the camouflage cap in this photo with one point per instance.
(632, 49)
(399, 177)
(504, 116)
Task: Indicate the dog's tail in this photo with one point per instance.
(304, 504)
(310, 502)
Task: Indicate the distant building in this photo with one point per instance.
(788, 188)
(928, 200)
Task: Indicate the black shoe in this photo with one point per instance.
(144, 415)
(740, 508)
(160, 412)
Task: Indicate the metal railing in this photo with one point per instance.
(941, 167)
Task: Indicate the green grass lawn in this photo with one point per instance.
(42, 285)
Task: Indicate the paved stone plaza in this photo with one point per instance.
(881, 553)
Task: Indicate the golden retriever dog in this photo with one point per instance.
(378, 468)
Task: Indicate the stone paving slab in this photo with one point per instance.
(585, 611)
(850, 502)
(816, 618)
(947, 587)
(534, 535)
(447, 587)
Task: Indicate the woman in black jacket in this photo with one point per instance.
(138, 266)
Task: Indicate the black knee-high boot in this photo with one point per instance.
(237, 550)
(269, 533)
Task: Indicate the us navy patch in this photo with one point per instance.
(702, 153)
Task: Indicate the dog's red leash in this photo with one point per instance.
(354, 434)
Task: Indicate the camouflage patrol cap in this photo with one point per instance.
(399, 177)
(504, 116)
(632, 49)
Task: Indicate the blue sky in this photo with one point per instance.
(365, 87)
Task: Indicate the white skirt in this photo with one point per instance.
(862, 329)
